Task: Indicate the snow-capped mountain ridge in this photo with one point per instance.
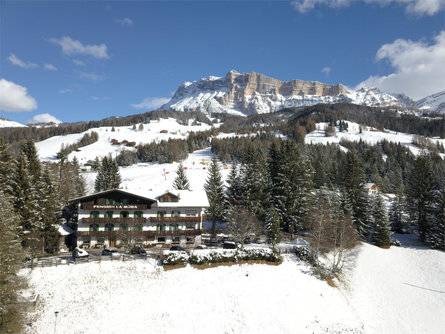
(254, 93)
(435, 102)
(6, 123)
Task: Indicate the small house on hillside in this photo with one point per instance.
(371, 188)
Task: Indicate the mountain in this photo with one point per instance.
(254, 93)
(6, 123)
(435, 102)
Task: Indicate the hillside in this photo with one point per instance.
(6, 123)
(435, 102)
(398, 290)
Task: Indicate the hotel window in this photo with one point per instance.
(124, 214)
(138, 214)
(161, 239)
(176, 213)
(109, 227)
(139, 227)
(109, 214)
(161, 214)
(94, 227)
(124, 227)
(94, 214)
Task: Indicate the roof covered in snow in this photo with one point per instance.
(187, 198)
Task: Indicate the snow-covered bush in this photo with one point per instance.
(172, 258)
(235, 255)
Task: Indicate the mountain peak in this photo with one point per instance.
(256, 93)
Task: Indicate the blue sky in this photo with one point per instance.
(84, 60)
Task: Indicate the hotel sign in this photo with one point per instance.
(123, 206)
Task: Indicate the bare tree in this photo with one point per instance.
(241, 224)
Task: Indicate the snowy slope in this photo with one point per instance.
(6, 123)
(253, 93)
(368, 135)
(397, 290)
(435, 102)
(48, 148)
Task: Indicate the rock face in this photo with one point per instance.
(254, 93)
(435, 102)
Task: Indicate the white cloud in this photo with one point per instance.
(44, 118)
(50, 67)
(99, 98)
(91, 76)
(151, 103)
(78, 62)
(418, 7)
(66, 90)
(326, 70)
(125, 22)
(74, 47)
(18, 62)
(419, 67)
(14, 97)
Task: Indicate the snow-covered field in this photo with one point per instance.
(400, 290)
(152, 133)
(368, 135)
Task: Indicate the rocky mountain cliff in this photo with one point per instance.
(435, 102)
(254, 93)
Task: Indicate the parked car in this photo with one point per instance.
(137, 251)
(229, 245)
(111, 251)
(247, 240)
(177, 248)
(201, 247)
(259, 240)
(80, 253)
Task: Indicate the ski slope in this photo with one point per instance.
(368, 134)
(170, 128)
(397, 290)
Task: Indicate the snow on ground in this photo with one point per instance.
(396, 290)
(152, 133)
(153, 177)
(368, 135)
(401, 289)
(6, 123)
(131, 297)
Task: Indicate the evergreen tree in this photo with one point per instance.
(272, 227)
(79, 181)
(357, 198)
(181, 181)
(381, 233)
(295, 185)
(418, 193)
(25, 198)
(436, 235)
(11, 259)
(108, 176)
(34, 167)
(6, 166)
(49, 208)
(234, 192)
(214, 189)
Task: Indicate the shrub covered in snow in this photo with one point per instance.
(173, 258)
(235, 255)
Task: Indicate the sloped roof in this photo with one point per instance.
(187, 198)
(85, 198)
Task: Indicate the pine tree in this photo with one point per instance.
(108, 176)
(181, 181)
(11, 257)
(30, 151)
(214, 189)
(357, 198)
(436, 233)
(6, 166)
(381, 233)
(234, 192)
(418, 193)
(272, 227)
(25, 198)
(79, 181)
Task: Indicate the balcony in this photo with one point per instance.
(114, 220)
(177, 219)
(91, 207)
(145, 234)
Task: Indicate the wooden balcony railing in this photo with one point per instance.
(114, 220)
(91, 207)
(139, 233)
(166, 219)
